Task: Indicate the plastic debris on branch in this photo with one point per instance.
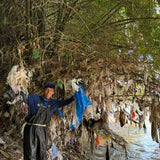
(53, 152)
(81, 103)
(18, 80)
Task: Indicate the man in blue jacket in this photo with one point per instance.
(39, 113)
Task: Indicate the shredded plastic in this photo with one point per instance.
(18, 79)
(54, 151)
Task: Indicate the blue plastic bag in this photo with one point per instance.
(54, 151)
(81, 103)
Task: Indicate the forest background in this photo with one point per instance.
(66, 39)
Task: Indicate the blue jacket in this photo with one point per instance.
(33, 101)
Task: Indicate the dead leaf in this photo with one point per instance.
(5, 154)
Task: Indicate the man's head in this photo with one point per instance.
(48, 90)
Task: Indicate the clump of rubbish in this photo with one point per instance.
(18, 80)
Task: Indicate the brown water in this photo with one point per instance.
(140, 145)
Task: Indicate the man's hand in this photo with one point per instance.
(8, 94)
(11, 97)
(75, 86)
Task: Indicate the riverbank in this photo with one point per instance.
(140, 145)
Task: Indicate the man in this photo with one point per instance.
(39, 113)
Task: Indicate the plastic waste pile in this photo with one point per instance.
(88, 117)
(18, 80)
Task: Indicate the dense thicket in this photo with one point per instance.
(77, 30)
(96, 40)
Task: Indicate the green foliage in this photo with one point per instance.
(98, 28)
(35, 53)
(59, 83)
(5, 20)
(158, 2)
